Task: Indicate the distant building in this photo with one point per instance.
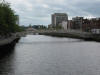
(65, 25)
(50, 26)
(86, 26)
(70, 24)
(39, 26)
(58, 18)
(17, 22)
(91, 24)
(95, 22)
(77, 23)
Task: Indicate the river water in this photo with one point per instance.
(46, 55)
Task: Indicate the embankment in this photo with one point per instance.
(84, 36)
(7, 45)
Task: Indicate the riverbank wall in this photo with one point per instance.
(8, 47)
(7, 40)
(7, 44)
(77, 35)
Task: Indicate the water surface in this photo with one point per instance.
(45, 55)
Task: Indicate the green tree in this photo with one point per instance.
(8, 19)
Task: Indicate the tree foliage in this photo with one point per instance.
(8, 19)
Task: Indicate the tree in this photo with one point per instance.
(8, 19)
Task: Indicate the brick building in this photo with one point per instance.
(89, 24)
(79, 23)
(70, 24)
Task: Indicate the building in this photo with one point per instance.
(58, 18)
(91, 24)
(95, 23)
(70, 24)
(86, 26)
(65, 25)
(17, 17)
(77, 23)
(50, 26)
(39, 27)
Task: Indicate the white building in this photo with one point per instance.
(64, 25)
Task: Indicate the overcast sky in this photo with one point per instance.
(39, 11)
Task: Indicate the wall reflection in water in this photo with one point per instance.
(7, 53)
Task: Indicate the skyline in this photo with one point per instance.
(39, 11)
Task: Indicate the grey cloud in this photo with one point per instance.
(39, 11)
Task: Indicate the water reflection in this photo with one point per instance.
(6, 60)
(45, 55)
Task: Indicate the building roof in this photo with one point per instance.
(60, 14)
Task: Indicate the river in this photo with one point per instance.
(46, 55)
